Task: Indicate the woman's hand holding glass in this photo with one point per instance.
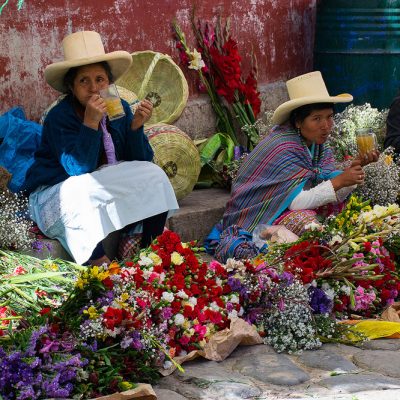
(94, 111)
(142, 114)
(368, 158)
(353, 175)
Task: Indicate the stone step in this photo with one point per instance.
(198, 213)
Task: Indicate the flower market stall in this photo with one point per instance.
(68, 331)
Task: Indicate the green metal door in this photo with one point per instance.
(357, 49)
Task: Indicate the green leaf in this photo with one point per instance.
(211, 147)
(35, 277)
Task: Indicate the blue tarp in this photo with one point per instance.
(21, 138)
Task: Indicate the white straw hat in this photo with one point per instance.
(83, 48)
(306, 89)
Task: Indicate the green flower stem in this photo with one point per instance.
(218, 108)
(11, 318)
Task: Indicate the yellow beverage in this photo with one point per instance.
(114, 107)
(365, 143)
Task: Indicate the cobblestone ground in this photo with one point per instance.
(334, 371)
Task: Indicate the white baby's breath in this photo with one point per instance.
(14, 222)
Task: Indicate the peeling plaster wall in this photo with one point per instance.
(279, 33)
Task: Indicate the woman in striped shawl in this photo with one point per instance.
(290, 176)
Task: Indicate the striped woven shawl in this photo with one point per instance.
(272, 175)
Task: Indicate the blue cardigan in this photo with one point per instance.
(70, 148)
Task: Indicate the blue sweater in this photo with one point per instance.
(70, 148)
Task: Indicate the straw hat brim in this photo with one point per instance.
(282, 113)
(119, 62)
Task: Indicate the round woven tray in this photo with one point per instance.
(177, 155)
(155, 76)
(124, 93)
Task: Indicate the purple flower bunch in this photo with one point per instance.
(320, 303)
(47, 368)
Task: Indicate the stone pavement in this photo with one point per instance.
(333, 372)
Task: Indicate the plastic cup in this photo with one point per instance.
(114, 106)
(366, 141)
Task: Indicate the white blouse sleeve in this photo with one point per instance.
(342, 193)
(322, 194)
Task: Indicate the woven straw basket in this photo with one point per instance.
(155, 76)
(177, 155)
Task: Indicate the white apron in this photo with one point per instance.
(82, 210)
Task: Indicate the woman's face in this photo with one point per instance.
(317, 126)
(89, 80)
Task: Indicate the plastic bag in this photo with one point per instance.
(21, 138)
(273, 234)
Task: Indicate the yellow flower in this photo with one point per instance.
(92, 312)
(81, 282)
(155, 258)
(98, 273)
(125, 385)
(51, 266)
(388, 159)
(176, 258)
(122, 300)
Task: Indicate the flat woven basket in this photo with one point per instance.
(177, 155)
(155, 76)
(124, 93)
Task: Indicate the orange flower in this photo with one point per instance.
(114, 268)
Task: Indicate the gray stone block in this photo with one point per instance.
(326, 360)
(166, 394)
(198, 213)
(382, 344)
(273, 368)
(352, 383)
(385, 362)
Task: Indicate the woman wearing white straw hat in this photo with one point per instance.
(290, 176)
(71, 198)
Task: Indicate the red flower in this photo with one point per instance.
(108, 283)
(45, 311)
(113, 317)
(252, 96)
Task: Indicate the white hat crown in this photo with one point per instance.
(307, 85)
(83, 44)
(306, 89)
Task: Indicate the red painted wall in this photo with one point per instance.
(280, 32)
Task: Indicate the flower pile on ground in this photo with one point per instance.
(347, 259)
(128, 319)
(29, 285)
(193, 298)
(41, 363)
(277, 303)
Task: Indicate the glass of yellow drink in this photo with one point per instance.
(366, 141)
(114, 106)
